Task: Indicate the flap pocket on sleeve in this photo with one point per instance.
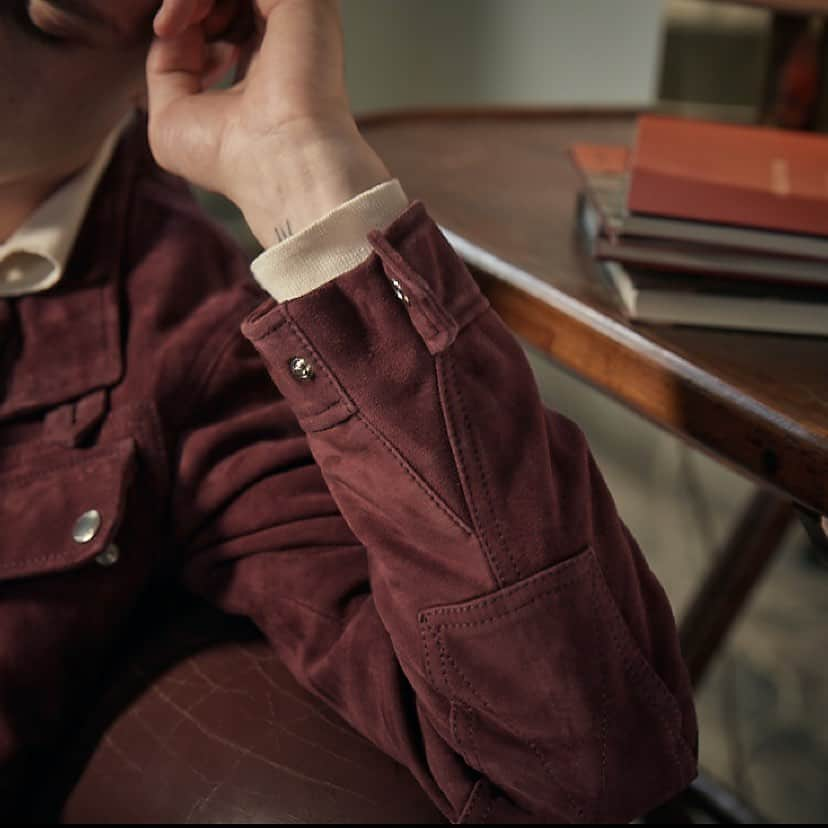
(61, 513)
(563, 698)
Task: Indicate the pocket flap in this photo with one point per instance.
(548, 683)
(40, 508)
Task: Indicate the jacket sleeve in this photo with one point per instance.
(433, 552)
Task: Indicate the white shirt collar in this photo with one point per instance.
(35, 257)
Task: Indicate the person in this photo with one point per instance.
(358, 461)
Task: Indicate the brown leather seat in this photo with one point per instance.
(202, 723)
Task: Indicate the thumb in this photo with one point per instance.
(183, 118)
(176, 66)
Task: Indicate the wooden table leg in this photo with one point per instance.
(736, 571)
(717, 604)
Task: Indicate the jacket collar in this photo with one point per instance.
(47, 237)
(62, 344)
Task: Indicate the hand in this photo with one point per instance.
(281, 143)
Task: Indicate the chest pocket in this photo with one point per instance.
(62, 512)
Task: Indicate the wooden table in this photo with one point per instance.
(500, 183)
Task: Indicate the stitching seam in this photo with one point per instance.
(445, 656)
(483, 476)
(471, 501)
(493, 618)
(420, 484)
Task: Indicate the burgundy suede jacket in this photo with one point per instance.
(428, 549)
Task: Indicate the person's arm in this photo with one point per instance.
(432, 552)
(450, 574)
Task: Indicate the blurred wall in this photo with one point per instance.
(442, 52)
(715, 56)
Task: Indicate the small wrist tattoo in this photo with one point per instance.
(284, 232)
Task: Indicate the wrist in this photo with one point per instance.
(302, 178)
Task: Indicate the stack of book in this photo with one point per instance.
(711, 224)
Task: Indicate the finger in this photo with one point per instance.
(175, 16)
(229, 20)
(182, 116)
(246, 56)
(176, 67)
(222, 58)
(186, 65)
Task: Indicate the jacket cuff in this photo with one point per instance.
(366, 339)
(333, 245)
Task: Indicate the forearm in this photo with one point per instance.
(541, 652)
(303, 175)
(496, 556)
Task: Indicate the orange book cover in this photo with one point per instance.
(596, 159)
(745, 175)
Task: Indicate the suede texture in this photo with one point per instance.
(426, 546)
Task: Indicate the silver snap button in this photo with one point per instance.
(86, 526)
(398, 291)
(301, 369)
(109, 556)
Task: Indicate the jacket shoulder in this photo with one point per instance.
(186, 284)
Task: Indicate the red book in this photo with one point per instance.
(601, 159)
(743, 175)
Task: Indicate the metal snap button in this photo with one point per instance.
(109, 556)
(86, 526)
(398, 291)
(301, 369)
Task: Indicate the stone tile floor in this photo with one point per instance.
(762, 708)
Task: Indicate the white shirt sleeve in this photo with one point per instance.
(331, 246)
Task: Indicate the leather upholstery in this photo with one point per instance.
(203, 724)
